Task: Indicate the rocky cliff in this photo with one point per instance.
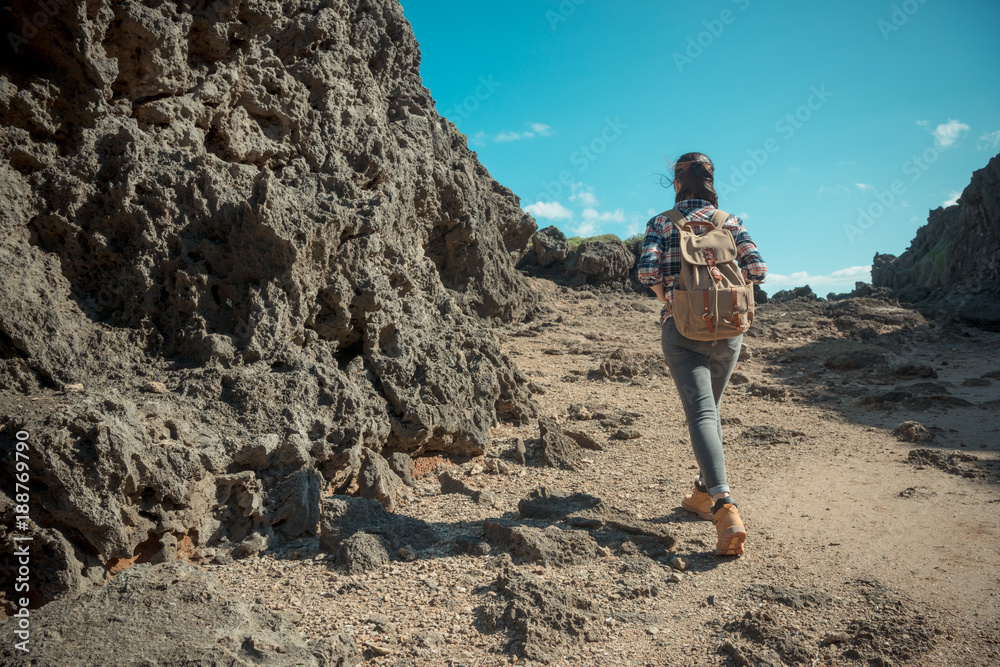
(245, 264)
(952, 267)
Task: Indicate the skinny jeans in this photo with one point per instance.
(701, 372)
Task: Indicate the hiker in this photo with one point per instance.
(702, 361)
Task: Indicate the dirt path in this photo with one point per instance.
(856, 555)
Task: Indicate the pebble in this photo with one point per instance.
(835, 637)
(652, 630)
(678, 563)
(155, 387)
(676, 577)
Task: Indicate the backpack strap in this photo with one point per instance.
(676, 217)
(719, 218)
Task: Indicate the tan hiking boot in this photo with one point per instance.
(698, 502)
(732, 533)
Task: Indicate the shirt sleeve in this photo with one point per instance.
(747, 255)
(653, 249)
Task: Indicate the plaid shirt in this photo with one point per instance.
(660, 262)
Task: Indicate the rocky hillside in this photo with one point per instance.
(952, 267)
(246, 264)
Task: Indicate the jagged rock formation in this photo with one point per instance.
(257, 205)
(952, 267)
(781, 296)
(595, 263)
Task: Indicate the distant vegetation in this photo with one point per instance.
(575, 241)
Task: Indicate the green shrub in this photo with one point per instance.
(575, 241)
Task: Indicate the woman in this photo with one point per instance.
(700, 369)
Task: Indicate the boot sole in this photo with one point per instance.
(704, 515)
(731, 545)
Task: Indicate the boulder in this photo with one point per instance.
(550, 247)
(598, 263)
(258, 206)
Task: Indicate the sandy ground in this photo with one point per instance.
(859, 553)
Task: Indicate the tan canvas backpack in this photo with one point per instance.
(712, 299)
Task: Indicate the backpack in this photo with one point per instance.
(712, 299)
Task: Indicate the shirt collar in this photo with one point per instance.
(693, 203)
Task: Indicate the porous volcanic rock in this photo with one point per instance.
(952, 267)
(599, 263)
(257, 206)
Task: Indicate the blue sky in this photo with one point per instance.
(834, 127)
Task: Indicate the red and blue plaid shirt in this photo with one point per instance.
(660, 261)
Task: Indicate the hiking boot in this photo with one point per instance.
(699, 502)
(732, 533)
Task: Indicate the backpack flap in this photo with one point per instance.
(720, 241)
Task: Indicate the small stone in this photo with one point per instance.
(155, 387)
(678, 563)
(585, 440)
(485, 498)
(378, 650)
(911, 431)
(407, 554)
(627, 434)
(711, 599)
(738, 378)
(676, 577)
(652, 630)
(835, 637)
(604, 552)
(72, 387)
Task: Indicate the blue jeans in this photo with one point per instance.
(701, 372)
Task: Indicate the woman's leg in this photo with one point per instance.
(700, 376)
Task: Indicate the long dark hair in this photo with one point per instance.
(696, 175)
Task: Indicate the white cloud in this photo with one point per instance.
(841, 280)
(947, 134)
(838, 190)
(617, 215)
(584, 194)
(952, 200)
(989, 141)
(537, 130)
(743, 216)
(586, 228)
(504, 137)
(549, 211)
(923, 123)
(864, 187)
